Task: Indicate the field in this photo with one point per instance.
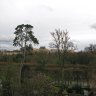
(45, 69)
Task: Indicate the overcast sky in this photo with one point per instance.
(77, 16)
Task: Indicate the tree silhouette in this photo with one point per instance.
(62, 43)
(24, 37)
(90, 48)
(61, 40)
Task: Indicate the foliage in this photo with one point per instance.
(43, 85)
(24, 35)
(44, 58)
(90, 48)
(39, 85)
(6, 88)
(24, 38)
(41, 60)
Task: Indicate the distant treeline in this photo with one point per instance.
(42, 57)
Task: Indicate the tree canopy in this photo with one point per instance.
(24, 36)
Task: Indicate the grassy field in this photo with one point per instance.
(45, 67)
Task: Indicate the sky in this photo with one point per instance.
(77, 16)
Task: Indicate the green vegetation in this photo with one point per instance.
(83, 58)
(46, 65)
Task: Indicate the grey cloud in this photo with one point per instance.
(5, 41)
(93, 26)
(5, 45)
(5, 38)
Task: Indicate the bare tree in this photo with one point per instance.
(62, 42)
